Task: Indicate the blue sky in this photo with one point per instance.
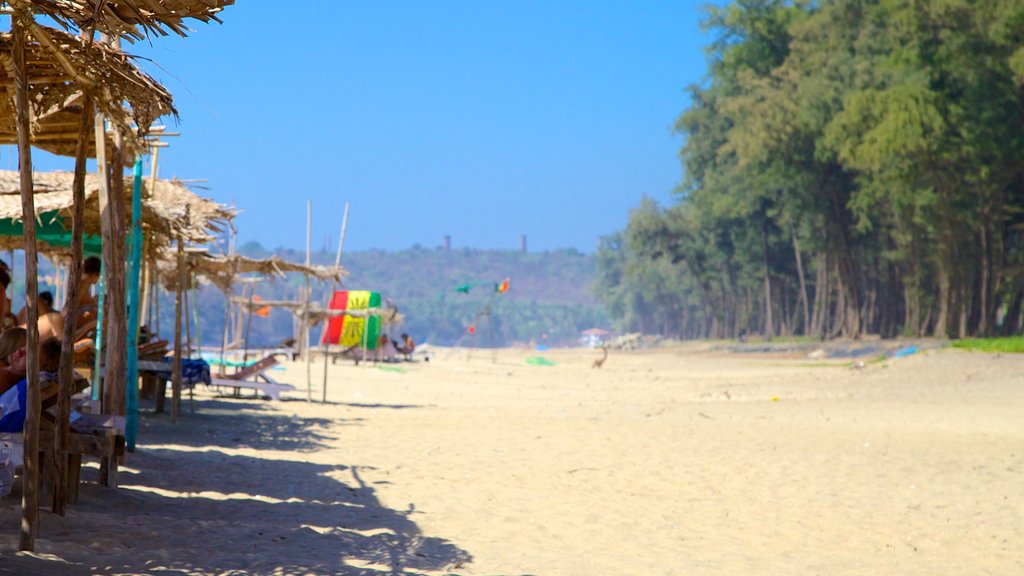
(480, 120)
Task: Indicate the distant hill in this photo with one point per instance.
(549, 301)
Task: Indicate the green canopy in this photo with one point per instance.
(51, 231)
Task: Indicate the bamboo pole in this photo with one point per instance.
(176, 370)
(97, 363)
(67, 350)
(248, 326)
(305, 309)
(30, 476)
(132, 346)
(327, 304)
(188, 324)
(227, 297)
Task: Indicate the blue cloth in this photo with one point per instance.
(14, 420)
(193, 371)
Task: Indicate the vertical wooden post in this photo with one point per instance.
(132, 346)
(227, 296)
(305, 307)
(97, 363)
(176, 374)
(115, 374)
(327, 305)
(147, 272)
(30, 477)
(67, 349)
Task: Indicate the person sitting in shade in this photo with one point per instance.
(406, 347)
(385, 350)
(11, 340)
(86, 303)
(7, 318)
(51, 323)
(13, 385)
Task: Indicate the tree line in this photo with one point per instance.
(851, 167)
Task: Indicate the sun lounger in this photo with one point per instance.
(254, 377)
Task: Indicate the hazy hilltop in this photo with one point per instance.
(550, 299)
(554, 277)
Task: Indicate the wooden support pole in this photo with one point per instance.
(327, 304)
(115, 372)
(30, 476)
(176, 374)
(67, 350)
(305, 309)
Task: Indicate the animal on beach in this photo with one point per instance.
(600, 361)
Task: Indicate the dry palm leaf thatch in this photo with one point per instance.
(169, 209)
(128, 19)
(60, 68)
(222, 271)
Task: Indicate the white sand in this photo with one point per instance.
(670, 461)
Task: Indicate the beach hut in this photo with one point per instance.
(130, 19)
(52, 71)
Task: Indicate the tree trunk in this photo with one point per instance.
(803, 285)
(768, 324)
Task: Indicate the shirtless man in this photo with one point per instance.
(51, 323)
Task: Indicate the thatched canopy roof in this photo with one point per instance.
(129, 19)
(388, 316)
(222, 271)
(56, 94)
(169, 208)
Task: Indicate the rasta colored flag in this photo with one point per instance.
(349, 330)
(501, 288)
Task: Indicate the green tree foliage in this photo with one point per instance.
(851, 166)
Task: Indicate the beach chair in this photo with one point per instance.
(254, 377)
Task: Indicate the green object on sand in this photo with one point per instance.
(391, 368)
(539, 361)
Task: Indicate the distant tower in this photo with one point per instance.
(447, 243)
(522, 243)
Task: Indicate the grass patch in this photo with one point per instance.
(1009, 345)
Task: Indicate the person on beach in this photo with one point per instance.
(51, 323)
(7, 319)
(406, 347)
(86, 303)
(385, 349)
(11, 339)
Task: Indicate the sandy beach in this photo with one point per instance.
(676, 460)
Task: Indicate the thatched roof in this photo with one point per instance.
(222, 271)
(388, 316)
(56, 93)
(129, 19)
(169, 208)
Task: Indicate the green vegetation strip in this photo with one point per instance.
(1010, 345)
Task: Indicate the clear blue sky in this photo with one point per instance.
(481, 120)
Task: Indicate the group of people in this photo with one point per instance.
(51, 321)
(14, 335)
(388, 350)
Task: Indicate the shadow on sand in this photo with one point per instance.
(242, 514)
